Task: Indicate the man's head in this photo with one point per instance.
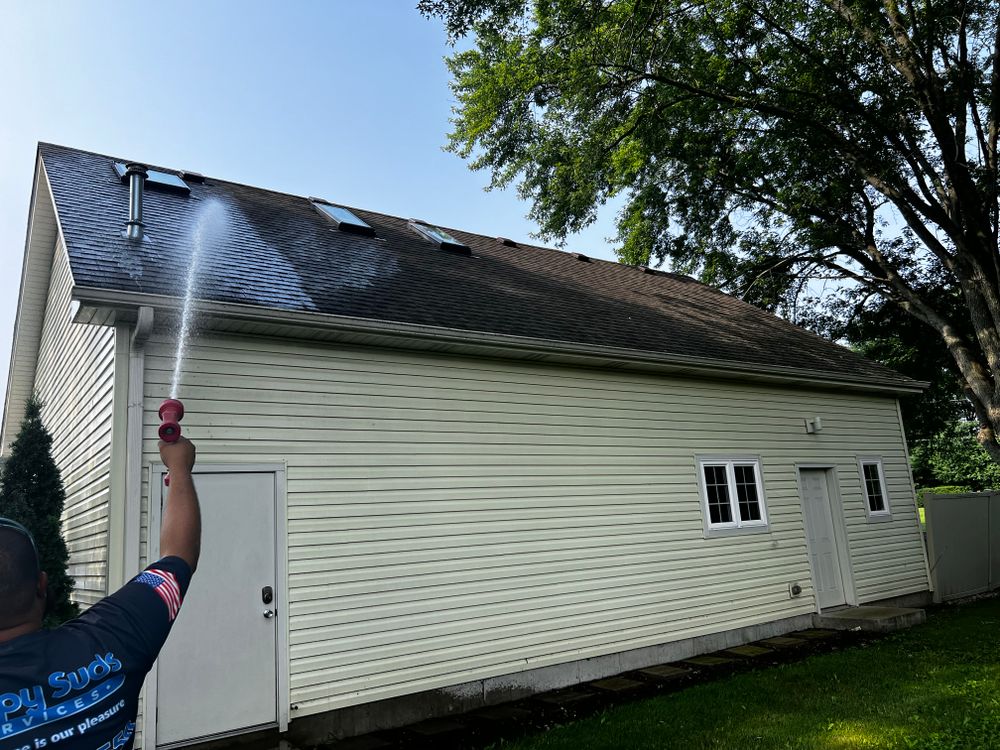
(22, 584)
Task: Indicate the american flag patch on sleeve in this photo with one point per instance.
(165, 585)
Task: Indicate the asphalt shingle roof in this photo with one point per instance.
(277, 251)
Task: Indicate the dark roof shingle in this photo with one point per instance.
(277, 251)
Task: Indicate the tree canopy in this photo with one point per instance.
(765, 146)
(885, 333)
(953, 457)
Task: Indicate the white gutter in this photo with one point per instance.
(133, 437)
(520, 344)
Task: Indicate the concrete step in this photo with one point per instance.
(784, 641)
(664, 672)
(617, 685)
(749, 652)
(873, 619)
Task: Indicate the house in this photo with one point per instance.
(437, 469)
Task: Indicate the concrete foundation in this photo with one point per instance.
(872, 619)
(468, 696)
(917, 599)
(410, 709)
(883, 616)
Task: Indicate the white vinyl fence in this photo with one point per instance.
(963, 543)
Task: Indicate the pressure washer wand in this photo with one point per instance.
(171, 414)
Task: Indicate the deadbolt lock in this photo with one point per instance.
(267, 595)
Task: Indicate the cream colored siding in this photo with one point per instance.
(22, 372)
(31, 308)
(884, 554)
(75, 379)
(453, 519)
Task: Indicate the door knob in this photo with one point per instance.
(268, 614)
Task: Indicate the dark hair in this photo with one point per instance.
(18, 575)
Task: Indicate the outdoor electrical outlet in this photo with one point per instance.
(794, 589)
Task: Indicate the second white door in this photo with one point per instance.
(824, 553)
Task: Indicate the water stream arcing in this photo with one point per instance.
(211, 221)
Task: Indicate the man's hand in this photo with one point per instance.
(178, 456)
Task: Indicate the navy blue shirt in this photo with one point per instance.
(77, 687)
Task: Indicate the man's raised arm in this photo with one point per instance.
(180, 532)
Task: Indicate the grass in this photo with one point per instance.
(936, 686)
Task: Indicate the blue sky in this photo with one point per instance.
(345, 99)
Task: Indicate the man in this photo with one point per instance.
(77, 687)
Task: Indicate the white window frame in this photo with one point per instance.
(737, 525)
(874, 516)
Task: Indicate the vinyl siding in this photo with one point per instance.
(31, 308)
(75, 380)
(453, 519)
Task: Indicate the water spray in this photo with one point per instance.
(212, 222)
(171, 414)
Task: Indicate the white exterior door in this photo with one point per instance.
(217, 673)
(824, 556)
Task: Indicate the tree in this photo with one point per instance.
(761, 144)
(32, 493)
(939, 423)
(884, 333)
(953, 457)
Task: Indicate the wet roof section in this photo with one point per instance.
(277, 251)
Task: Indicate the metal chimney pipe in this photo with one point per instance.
(136, 174)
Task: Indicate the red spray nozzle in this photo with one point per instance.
(171, 413)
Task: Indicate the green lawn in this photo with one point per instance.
(935, 686)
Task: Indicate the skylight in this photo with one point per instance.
(156, 177)
(345, 220)
(440, 237)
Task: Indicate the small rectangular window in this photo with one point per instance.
(155, 177)
(439, 237)
(873, 480)
(733, 496)
(344, 218)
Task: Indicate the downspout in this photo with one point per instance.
(119, 568)
(133, 437)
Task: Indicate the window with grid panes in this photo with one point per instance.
(732, 495)
(873, 480)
